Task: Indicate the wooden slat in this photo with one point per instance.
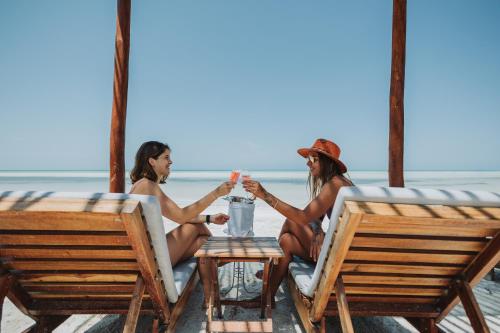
(418, 244)
(387, 309)
(62, 253)
(378, 290)
(73, 277)
(30, 239)
(400, 269)
(84, 296)
(344, 234)
(401, 226)
(74, 205)
(396, 280)
(388, 299)
(425, 211)
(80, 287)
(86, 221)
(240, 326)
(409, 257)
(55, 307)
(249, 247)
(430, 227)
(53, 265)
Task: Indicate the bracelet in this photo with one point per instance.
(276, 204)
(207, 219)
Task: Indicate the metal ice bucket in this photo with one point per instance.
(240, 213)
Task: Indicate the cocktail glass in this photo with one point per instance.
(235, 174)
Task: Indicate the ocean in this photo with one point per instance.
(185, 187)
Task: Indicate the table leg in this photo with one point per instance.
(215, 279)
(265, 298)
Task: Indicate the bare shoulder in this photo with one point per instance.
(145, 186)
(337, 182)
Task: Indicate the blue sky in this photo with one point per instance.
(243, 84)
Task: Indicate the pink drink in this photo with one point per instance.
(245, 175)
(235, 174)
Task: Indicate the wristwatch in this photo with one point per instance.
(207, 219)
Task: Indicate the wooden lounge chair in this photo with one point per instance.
(77, 253)
(400, 252)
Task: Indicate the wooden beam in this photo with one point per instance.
(137, 233)
(344, 315)
(476, 270)
(6, 281)
(135, 306)
(120, 91)
(345, 233)
(396, 100)
(302, 306)
(471, 307)
(20, 298)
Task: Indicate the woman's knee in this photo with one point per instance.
(286, 242)
(285, 227)
(203, 230)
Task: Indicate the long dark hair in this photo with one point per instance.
(328, 170)
(142, 168)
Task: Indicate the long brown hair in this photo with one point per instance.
(142, 168)
(328, 170)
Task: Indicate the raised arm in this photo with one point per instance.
(314, 210)
(188, 214)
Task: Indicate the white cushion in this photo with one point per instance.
(302, 272)
(152, 213)
(395, 195)
(183, 272)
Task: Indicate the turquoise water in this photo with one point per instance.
(185, 187)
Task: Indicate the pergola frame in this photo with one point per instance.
(119, 114)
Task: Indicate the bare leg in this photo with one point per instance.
(303, 233)
(184, 241)
(291, 246)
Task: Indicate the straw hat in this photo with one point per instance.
(325, 147)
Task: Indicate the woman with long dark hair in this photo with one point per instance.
(301, 234)
(152, 167)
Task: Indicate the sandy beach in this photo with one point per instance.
(186, 187)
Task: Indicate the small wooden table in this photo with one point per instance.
(218, 250)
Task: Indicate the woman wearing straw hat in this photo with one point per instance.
(301, 234)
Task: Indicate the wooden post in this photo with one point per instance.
(120, 87)
(396, 101)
